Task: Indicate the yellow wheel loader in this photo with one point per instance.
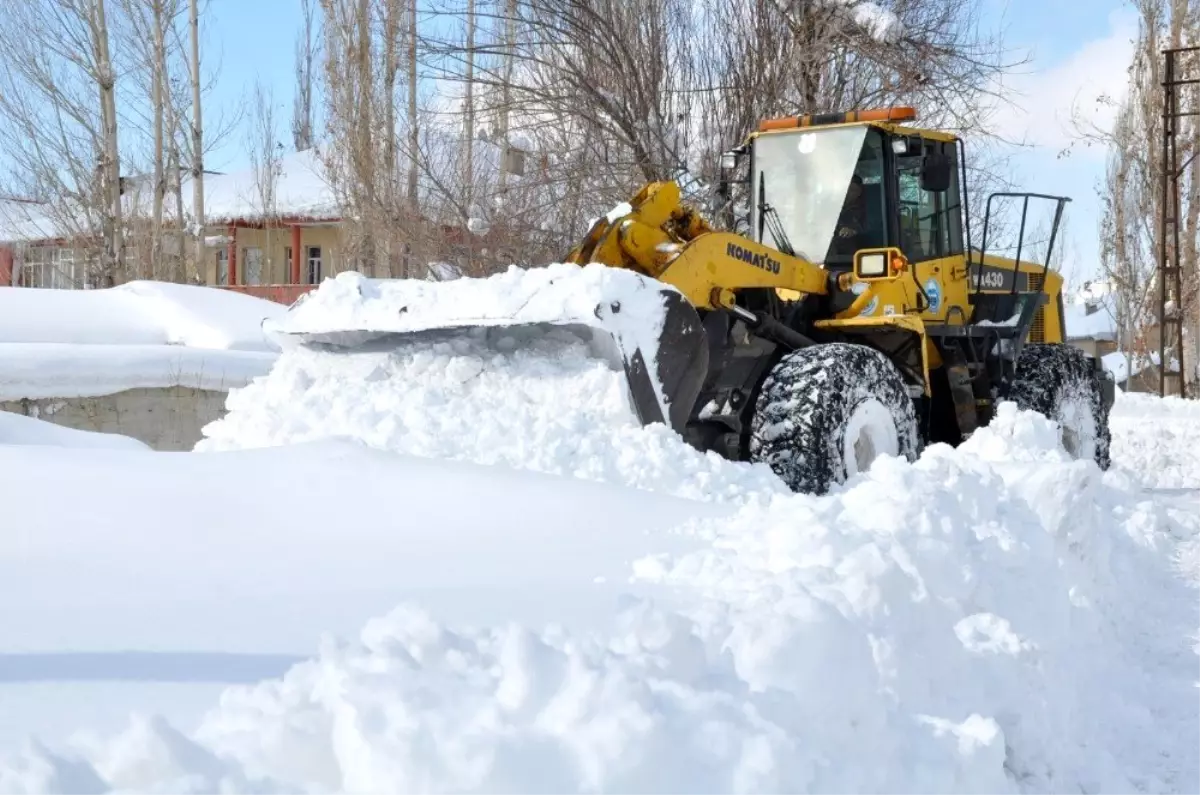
(847, 317)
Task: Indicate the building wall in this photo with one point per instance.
(274, 243)
(166, 419)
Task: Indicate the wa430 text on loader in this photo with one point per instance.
(850, 316)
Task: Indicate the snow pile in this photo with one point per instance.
(66, 343)
(544, 404)
(938, 627)
(17, 429)
(623, 310)
(138, 313)
(521, 397)
(1157, 440)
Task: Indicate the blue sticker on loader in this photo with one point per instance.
(933, 289)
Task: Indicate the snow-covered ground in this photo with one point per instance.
(17, 429)
(68, 343)
(1156, 440)
(498, 582)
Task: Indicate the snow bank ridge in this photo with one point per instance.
(938, 627)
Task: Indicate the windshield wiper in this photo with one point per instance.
(769, 216)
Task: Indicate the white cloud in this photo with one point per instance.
(1045, 97)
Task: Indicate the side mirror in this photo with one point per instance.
(729, 162)
(879, 264)
(935, 173)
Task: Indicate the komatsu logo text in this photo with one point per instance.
(749, 257)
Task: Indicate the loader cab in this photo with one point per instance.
(825, 186)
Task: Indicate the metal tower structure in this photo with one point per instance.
(1170, 293)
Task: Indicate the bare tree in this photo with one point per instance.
(144, 40)
(106, 80)
(308, 45)
(266, 158)
(1130, 233)
(59, 125)
(586, 100)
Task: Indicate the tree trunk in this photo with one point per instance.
(197, 138)
(159, 81)
(391, 65)
(414, 139)
(510, 46)
(469, 111)
(114, 243)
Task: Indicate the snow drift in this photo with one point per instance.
(939, 627)
(17, 429)
(992, 618)
(1157, 440)
(86, 343)
(526, 398)
(137, 313)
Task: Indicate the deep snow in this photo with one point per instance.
(943, 626)
(1157, 441)
(545, 404)
(329, 534)
(993, 618)
(138, 313)
(84, 343)
(621, 311)
(17, 429)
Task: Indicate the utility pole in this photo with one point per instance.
(1170, 286)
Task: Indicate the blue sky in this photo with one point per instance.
(1079, 48)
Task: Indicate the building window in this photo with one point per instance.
(223, 265)
(252, 265)
(59, 268)
(314, 264)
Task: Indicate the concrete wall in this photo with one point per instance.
(165, 419)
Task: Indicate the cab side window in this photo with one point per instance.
(930, 223)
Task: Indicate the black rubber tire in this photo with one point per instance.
(1050, 378)
(805, 405)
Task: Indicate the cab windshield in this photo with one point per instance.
(826, 190)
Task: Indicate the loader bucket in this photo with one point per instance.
(639, 324)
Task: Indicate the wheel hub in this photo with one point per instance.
(1077, 426)
(870, 433)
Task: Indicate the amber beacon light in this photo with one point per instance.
(819, 119)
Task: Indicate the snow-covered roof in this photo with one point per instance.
(1092, 319)
(302, 190)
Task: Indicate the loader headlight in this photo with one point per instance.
(872, 266)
